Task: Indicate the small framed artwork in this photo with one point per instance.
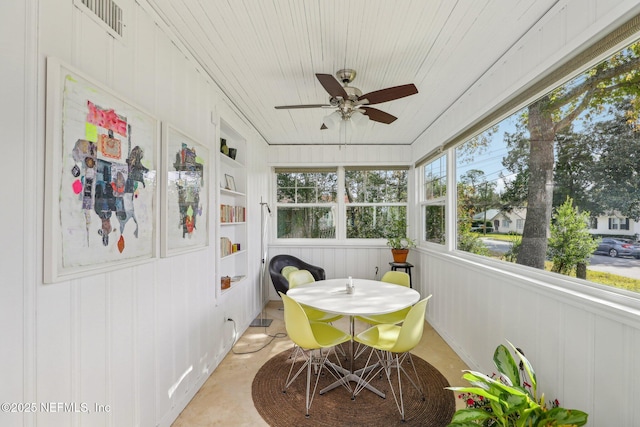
(184, 185)
(230, 182)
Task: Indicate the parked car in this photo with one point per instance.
(636, 247)
(616, 247)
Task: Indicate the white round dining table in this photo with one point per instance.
(368, 297)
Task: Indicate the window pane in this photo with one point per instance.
(569, 154)
(434, 223)
(435, 179)
(306, 223)
(376, 186)
(433, 200)
(371, 222)
(307, 187)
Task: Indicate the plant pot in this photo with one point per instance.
(400, 255)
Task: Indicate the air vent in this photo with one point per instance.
(107, 11)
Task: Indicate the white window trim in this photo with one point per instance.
(340, 212)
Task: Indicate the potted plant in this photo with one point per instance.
(511, 399)
(398, 241)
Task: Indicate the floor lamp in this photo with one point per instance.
(265, 212)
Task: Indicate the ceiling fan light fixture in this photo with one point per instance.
(333, 120)
(359, 119)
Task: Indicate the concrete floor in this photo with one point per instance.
(225, 398)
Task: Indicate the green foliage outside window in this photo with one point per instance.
(305, 201)
(372, 222)
(375, 200)
(306, 223)
(571, 243)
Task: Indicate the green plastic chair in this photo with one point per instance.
(310, 337)
(399, 278)
(392, 345)
(301, 277)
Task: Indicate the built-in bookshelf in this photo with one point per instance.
(232, 214)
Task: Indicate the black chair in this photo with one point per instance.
(279, 262)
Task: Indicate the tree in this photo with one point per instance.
(573, 174)
(609, 81)
(616, 183)
(467, 240)
(570, 243)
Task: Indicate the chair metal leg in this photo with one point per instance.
(370, 371)
(397, 361)
(318, 360)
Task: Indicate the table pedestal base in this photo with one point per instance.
(355, 377)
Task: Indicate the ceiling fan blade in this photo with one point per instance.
(284, 107)
(332, 86)
(389, 94)
(378, 116)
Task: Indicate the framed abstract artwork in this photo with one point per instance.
(101, 168)
(184, 189)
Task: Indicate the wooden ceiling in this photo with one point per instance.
(263, 53)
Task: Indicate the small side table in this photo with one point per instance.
(406, 266)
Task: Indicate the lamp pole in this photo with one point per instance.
(261, 321)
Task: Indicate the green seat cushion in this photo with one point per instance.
(286, 271)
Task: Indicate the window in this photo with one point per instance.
(310, 203)
(434, 184)
(374, 198)
(582, 146)
(306, 203)
(616, 223)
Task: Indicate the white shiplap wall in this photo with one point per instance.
(125, 338)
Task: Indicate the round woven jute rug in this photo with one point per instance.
(335, 408)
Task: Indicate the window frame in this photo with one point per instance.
(333, 206)
(346, 205)
(441, 200)
(339, 206)
(572, 287)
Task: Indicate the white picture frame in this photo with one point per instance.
(101, 165)
(230, 182)
(185, 193)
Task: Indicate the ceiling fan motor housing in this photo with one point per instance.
(346, 75)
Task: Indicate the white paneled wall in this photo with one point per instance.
(139, 339)
(584, 351)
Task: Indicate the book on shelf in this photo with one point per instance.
(227, 247)
(230, 213)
